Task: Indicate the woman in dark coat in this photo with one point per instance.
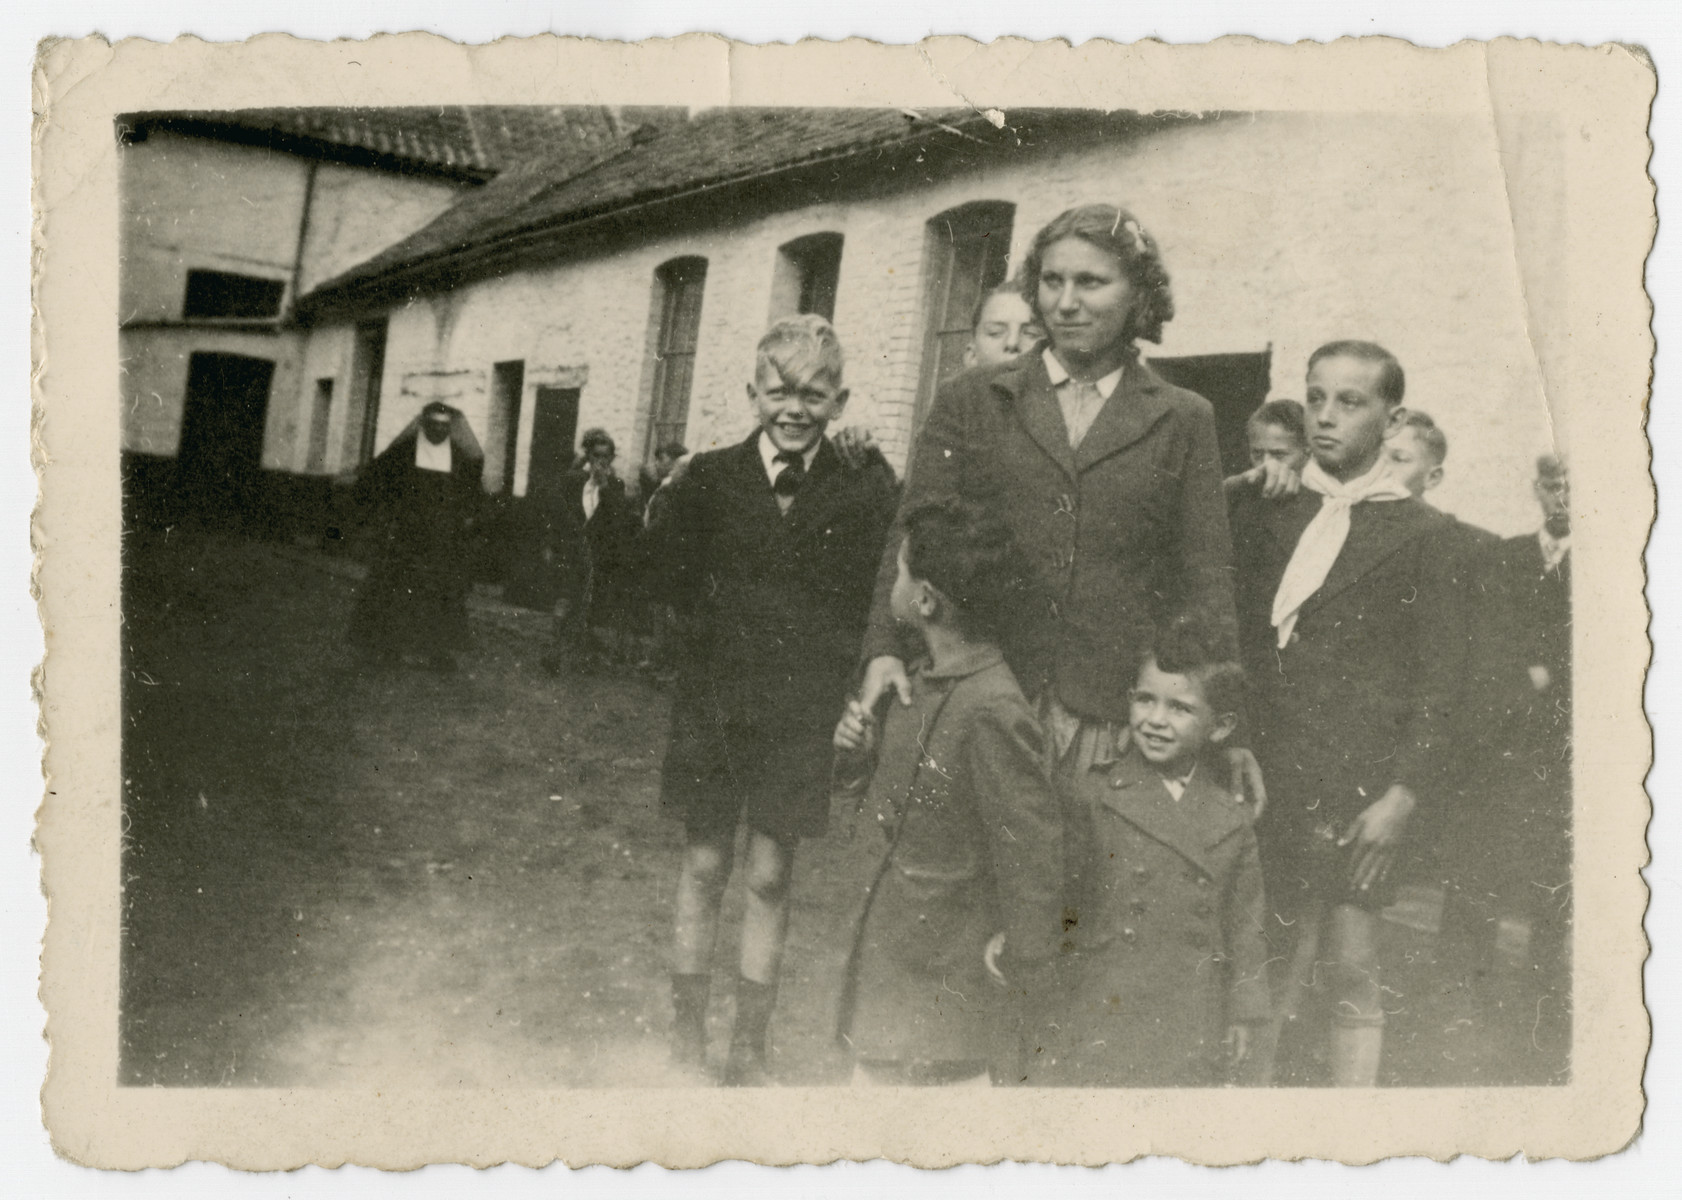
(422, 494)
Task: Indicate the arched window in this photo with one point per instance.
(805, 277)
(967, 251)
(678, 286)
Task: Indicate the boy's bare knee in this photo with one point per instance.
(768, 881)
(704, 863)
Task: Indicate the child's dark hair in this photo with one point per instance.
(1201, 651)
(1282, 414)
(969, 556)
(1117, 233)
(1392, 383)
(671, 450)
(596, 438)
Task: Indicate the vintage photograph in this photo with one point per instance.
(554, 539)
(807, 605)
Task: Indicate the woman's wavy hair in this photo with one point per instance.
(1117, 233)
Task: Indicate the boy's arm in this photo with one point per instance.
(1243, 921)
(677, 540)
(1004, 766)
(1204, 588)
(1442, 650)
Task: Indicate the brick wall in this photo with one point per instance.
(1279, 230)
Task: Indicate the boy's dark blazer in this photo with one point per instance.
(1126, 531)
(1370, 686)
(776, 604)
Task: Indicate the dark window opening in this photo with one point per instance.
(807, 273)
(1235, 384)
(508, 382)
(362, 419)
(220, 294)
(321, 411)
(680, 283)
(968, 254)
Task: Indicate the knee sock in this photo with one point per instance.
(689, 1008)
(1357, 1044)
(754, 1002)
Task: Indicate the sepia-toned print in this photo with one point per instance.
(1005, 606)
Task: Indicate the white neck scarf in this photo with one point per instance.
(1320, 544)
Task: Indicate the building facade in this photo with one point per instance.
(638, 311)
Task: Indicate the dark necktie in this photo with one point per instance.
(792, 476)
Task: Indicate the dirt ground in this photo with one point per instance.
(336, 875)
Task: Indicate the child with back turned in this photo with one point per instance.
(767, 549)
(968, 894)
(1165, 957)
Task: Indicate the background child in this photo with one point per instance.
(1003, 327)
(1277, 435)
(767, 549)
(974, 840)
(1416, 452)
(1166, 979)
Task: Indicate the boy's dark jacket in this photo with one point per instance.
(1368, 690)
(1165, 917)
(1125, 532)
(776, 604)
(975, 848)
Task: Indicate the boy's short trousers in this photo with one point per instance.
(720, 773)
(1302, 863)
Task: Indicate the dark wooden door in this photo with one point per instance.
(1236, 384)
(222, 421)
(554, 427)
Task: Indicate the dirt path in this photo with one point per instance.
(338, 876)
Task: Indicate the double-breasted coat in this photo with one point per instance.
(1127, 531)
(1368, 690)
(1164, 946)
(776, 606)
(974, 848)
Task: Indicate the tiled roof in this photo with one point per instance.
(471, 142)
(541, 201)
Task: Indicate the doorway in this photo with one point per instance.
(554, 428)
(1235, 384)
(222, 420)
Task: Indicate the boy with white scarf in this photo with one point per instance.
(1353, 630)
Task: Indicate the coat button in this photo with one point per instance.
(1129, 936)
(1118, 783)
(1294, 639)
(1141, 873)
(1202, 881)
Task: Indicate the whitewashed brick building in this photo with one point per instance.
(630, 295)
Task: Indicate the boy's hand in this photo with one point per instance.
(1247, 780)
(1237, 1043)
(1273, 477)
(990, 957)
(1279, 479)
(1376, 833)
(855, 444)
(884, 673)
(856, 732)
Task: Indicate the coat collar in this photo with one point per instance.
(1192, 826)
(972, 661)
(1137, 403)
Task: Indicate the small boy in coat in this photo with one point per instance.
(767, 548)
(966, 901)
(1165, 977)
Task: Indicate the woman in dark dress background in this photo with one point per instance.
(422, 494)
